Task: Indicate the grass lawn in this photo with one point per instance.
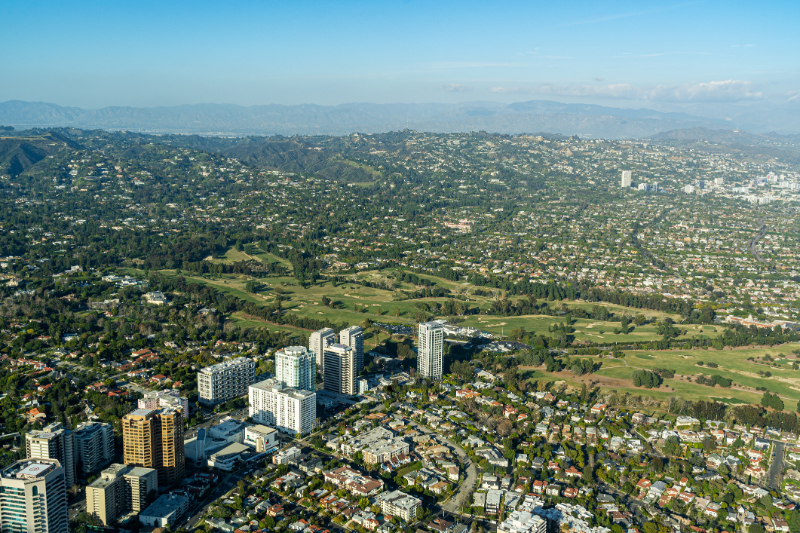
(233, 255)
(585, 330)
(354, 303)
(732, 364)
(246, 321)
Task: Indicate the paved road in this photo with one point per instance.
(638, 508)
(465, 488)
(76, 508)
(226, 484)
(776, 466)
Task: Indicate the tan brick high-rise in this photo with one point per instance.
(154, 439)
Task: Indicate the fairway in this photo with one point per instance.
(731, 364)
(233, 255)
(353, 303)
(586, 330)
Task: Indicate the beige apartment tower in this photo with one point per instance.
(154, 439)
(120, 489)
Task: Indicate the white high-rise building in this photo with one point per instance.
(33, 497)
(340, 369)
(94, 446)
(296, 368)
(224, 381)
(354, 338)
(53, 442)
(290, 410)
(430, 345)
(318, 341)
(626, 178)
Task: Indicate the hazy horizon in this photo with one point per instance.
(679, 56)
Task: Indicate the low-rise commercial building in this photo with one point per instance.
(262, 438)
(167, 509)
(227, 458)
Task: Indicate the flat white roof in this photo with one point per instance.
(34, 470)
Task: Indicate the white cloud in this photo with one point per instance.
(793, 95)
(455, 88)
(713, 91)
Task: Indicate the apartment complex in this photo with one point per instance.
(340, 369)
(354, 338)
(53, 442)
(121, 489)
(34, 497)
(154, 439)
(224, 381)
(164, 398)
(296, 368)
(318, 341)
(94, 446)
(291, 410)
(430, 344)
(399, 504)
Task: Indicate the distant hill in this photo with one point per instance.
(19, 153)
(786, 147)
(221, 119)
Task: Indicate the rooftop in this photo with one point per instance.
(274, 386)
(231, 449)
(30, 468)
(165, 505)
(238, 361)
(294, 350)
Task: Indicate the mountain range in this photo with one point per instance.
(308, 119)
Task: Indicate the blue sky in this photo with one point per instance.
(666, 55)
